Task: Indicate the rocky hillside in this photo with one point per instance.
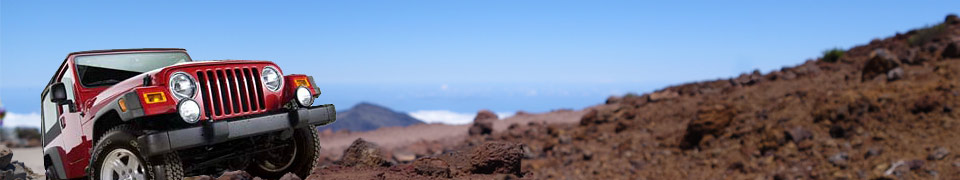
(367, 116)
(889, 109)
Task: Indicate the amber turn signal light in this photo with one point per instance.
(302, 82)
(123, 105)
(154, 97)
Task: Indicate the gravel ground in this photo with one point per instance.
(32, 157)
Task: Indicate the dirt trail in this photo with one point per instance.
(32, 157)
(447, 135)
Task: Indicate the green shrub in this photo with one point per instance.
(832, 55)
(924, 35)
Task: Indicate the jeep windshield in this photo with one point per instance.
(109, 69)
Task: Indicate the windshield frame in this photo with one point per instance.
(73, 63)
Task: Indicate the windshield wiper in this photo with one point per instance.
(103, 82)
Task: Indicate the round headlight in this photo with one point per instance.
(189, 110)
(304, 97)
(182, 85)
(272, 78)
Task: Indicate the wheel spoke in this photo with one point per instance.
(139, 176)
(121, 164)
(133, 164)
(118, 166)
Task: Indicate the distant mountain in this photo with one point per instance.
(367, 116)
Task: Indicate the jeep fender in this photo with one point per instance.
(134, 109)
(53, 155)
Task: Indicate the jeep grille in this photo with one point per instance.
(229, 92)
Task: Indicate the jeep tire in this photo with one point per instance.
(305, 150)
(51, 175)
(119, 145)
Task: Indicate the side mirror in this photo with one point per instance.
(58, 93)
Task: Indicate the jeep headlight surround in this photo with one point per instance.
(272, 79)
(182, 85)
(189, 110)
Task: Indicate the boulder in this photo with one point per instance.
(363, 154)
(926, 104)
(595, 117)
(839, 159)
(881, 61)
(873, 152)
(747, 79)
(496, 158)
(788, 75)
(314, 177)
(5, 156)
(522, 113)
(15, 170)
(915, 164)
(938, 154)
(952, 19)
(431, 166)
(710, 120)
(203, 177)
(807, 69)
(613, 100)
(235, 175)
(798, 134)
(952, 50)
(663, 95)
(895, 74)
(290, 176)
(483, 123)
(485, 114)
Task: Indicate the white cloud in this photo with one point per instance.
(504, 115)
(21, 120)
(450, 117)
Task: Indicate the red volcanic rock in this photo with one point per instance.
(880, 62)
(663, 95)
(952, 50)
(363, 154)
(236, 175)
(496, 157)
(433, 167)
(290, 176)
(711, 120)
(483, 123)
(5, 156)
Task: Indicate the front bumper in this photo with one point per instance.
(221, 131)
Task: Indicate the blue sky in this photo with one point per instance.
(457, 56)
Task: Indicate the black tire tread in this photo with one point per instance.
(316, 151)
(169, 163)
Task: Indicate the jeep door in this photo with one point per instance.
(69, 119)
(52, 142)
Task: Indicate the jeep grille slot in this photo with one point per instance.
(230, 92)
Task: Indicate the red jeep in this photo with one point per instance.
(157, 114)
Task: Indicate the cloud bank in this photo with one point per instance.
(449, 117)
(21, 120)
